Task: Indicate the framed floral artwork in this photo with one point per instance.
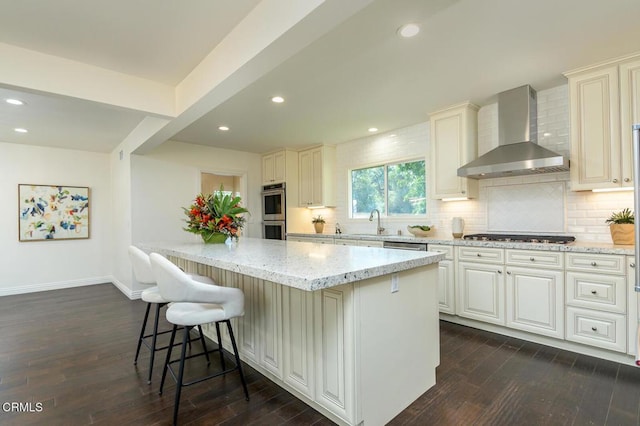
(52, 212)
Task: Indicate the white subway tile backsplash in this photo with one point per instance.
(581, 214)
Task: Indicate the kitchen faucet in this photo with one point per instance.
(380, 229)
(338, 229)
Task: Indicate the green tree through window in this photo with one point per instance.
(394, 189)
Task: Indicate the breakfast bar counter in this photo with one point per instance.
(351, 331)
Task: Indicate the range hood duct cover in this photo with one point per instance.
(518, 152)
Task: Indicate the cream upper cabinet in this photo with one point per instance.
(629, 114)
(274, 168)
(453, 144)
(604, 105)
(317, 176)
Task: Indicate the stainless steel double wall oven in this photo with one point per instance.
(274, 208)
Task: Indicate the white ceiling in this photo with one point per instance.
(160, 40)
(359, 75)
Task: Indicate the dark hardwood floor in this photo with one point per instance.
(72, 352)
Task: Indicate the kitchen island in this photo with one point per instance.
(352, 331)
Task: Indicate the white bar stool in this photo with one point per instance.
(194, 303)
(144, 275)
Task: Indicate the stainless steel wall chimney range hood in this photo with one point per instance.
(518, 152)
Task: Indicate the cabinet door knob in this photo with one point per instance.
(615, 181)
(627, 180)
(478, 254)
(499, 271)
(594, 292)
(594, 328)
(508, 272)
(594, 264)
(532, 259)
(463, 192)
(632, 265)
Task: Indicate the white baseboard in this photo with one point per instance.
(131, 294)
(33, 288)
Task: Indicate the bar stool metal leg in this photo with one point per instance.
(166, 363)
(238, 363)
(204, 345)
(144, 325)
(154, 340)
(220, 346)
(183, 353)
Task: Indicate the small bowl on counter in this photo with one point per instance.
(416, 231)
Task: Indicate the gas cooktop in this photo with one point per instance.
(519, 238)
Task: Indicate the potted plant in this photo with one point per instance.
(621, 226)
(318, 224)
(216, 216)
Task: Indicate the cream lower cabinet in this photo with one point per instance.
(535, 292)
(360, 243)
(322, 240)
(632, 307)
(446, 279)
(596, 296)
(480, 284)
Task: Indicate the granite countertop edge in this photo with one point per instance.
(575, 247)
(265, 271)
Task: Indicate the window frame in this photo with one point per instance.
(385, 166)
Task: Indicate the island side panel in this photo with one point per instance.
(398, 342)
(355, 352)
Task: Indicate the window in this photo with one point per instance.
(397, 189)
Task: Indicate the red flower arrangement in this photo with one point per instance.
(215, 216)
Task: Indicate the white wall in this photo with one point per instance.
(583, 214)
(169, 178)
(36, 266)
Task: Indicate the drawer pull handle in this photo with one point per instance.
(594, 328)
(594, 292)
(478, 254)
(594, 264)
(532, 259)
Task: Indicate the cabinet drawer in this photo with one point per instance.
(481, 254)
(605, 263)
(438, 248)
(535, 258)
(595, 328)
(597, 291)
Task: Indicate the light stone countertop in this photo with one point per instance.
(577, 247)
(305, 266)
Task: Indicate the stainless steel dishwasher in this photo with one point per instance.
(404, 245)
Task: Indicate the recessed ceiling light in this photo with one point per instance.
(14, 101)
(20, 130)
(223, 128)
(408, 30)
(277, 99)
(373, 129)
